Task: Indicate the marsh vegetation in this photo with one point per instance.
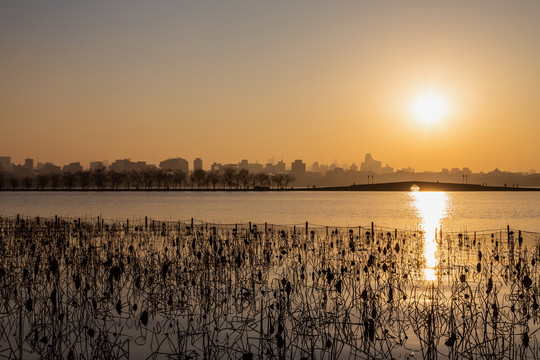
(94, 288)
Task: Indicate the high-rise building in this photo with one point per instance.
(280, 166)
(29, 164)
(215, 166)
(123, 165)
(298, 167)
(72, 168)
(197, 164)
(97, 165)
(5, 163)
(255, 168)
(386, 170)
(243, 165)
(370, 164)
(49, 168)
(175, 164)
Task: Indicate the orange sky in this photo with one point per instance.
(231, 80)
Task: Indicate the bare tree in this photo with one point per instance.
(160, 178)
(100, 178)
(116, 179)
(199, 175)
(179, 177)
(27, 182)
(192, 180)
(214, 178)
(148, 176)
(245, 177)
(42, 181)
(261, 178)
(68, 180)
(278, 180)
(288, 178)
(85, 178)
(229, 177)
(205, 181)
(167, 178)
(14, 182)
(133, 178)
(55, 180)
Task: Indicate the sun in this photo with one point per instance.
(429, 108)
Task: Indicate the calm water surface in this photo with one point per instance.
(454, 211)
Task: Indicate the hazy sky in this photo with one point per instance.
(311, 80)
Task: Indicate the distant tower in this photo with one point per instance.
(197, 164)
(29, 164)
(298, 167)
(5, 163)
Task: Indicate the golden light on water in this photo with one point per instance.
(431, 208)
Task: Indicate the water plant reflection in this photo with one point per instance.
(431, 208)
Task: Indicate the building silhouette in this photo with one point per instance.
(175, 164)
(277, 168)
(298, 167)
(5, 163)
(49, 168)
(29, 164)
(127, 165)
(97, 165)
(386, 170)
(243, 165)
(215, 166)
(197, 164)
(72, 168)
(370, 164)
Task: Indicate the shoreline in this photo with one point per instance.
(402, 186)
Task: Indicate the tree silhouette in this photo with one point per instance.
(270, 179)
(192, 180)
(116, 179)
(55, 180)
(68, 180)
(42, 181)
(229, 177)
(199, 175)
(278, 180)
(205, 180)
(14, 182)
(288, 178)
(100, 178)
(134, 178)
(27, 182)
(245, 177)
(168, 177)
(2, 181)
(214, 178)
(161, 178)
(261, 178)
(148, 177)
(179, 177)
(85, 178)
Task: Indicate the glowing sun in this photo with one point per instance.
(429, 108)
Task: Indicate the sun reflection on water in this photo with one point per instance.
(431, 208)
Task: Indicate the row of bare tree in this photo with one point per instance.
(229, 178)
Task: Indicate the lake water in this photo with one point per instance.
(454, 211)
(221, 292)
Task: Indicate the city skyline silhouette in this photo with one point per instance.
(421, 84)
